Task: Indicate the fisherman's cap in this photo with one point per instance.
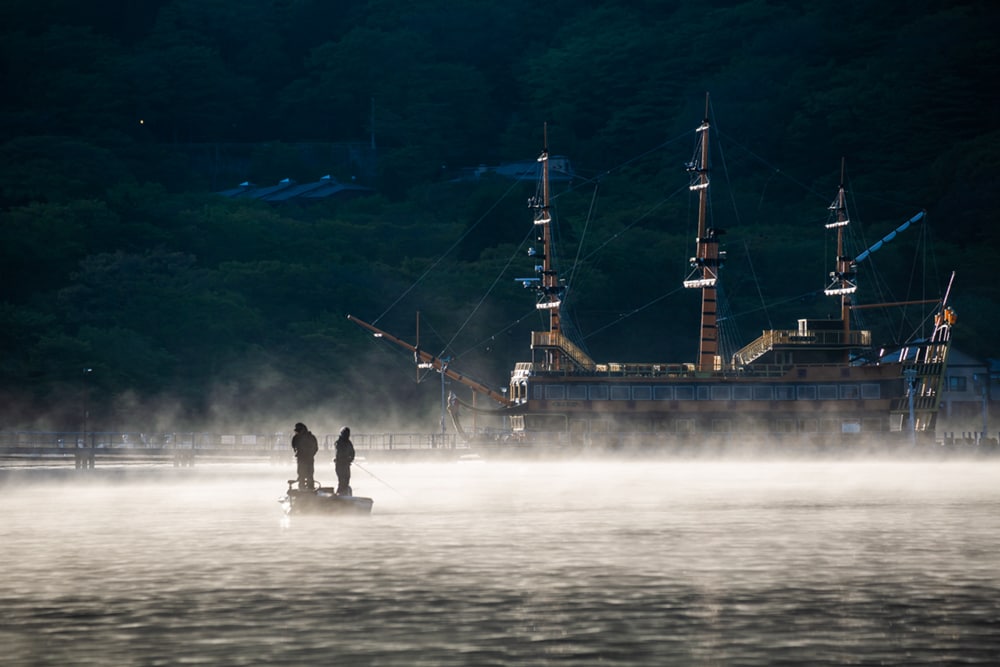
(300, 427)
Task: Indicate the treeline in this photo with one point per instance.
(116, 257)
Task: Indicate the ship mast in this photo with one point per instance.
(842, 277)
(543, 218)
(558, 352)
(550, 291)
(708, 258)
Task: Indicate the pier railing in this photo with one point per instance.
(67, 442)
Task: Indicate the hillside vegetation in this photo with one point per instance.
(129, 289)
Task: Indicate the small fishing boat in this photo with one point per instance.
(322, 500)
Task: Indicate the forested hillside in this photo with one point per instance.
(130, 289)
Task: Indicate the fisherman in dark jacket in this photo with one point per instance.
(342, 462)
(305, 446)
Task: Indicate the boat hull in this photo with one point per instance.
(324, 500)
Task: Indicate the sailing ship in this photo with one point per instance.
(822, 382)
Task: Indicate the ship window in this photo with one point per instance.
(741, 393)
(784, 426)
(684, 393)
(808, 426)
(872, 425)
(599, 392)
(848, 391)
(763, 394)
(555, 391)
(704, 393)
(536, 391)
(663, 425)
(783, 392)
(721, 426)
(850, 426)
(721, 394)
(663, 393)
(870, 391)
(828, 392)
(806, 392)
(547, 422)
(577, 392)
(957, 383)
(620, 392)
(637, 425)
(642, 393)
(685, 425)
(829, 425)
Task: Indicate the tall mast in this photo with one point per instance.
(550, 291)
(543, 218)
(708, 258)
(842, 277)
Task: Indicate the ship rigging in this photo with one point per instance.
(823, 381)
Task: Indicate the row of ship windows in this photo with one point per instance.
(808, 425)
(624, 392)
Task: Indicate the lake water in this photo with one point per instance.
(503, 563)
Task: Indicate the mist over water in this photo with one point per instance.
(505, 562)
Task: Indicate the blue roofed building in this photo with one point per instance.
(289, 190)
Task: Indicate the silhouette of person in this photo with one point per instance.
(305, 446)
(342, 462)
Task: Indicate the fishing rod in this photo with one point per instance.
(377, 477)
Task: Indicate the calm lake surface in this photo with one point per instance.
(503, 563)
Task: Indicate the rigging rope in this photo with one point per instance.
(725, 170)
(642, 217)
(514, 184)
(491, 287)
(634, 311)
(446, 252)
(583, 237)
(497, 333)
(729, 335)
(756, 282)
(800, 297)
(771, 166)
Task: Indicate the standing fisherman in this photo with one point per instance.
(342, 462)
(305, 447)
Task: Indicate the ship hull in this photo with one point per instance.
(823, 404)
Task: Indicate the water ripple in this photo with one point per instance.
(507, 563)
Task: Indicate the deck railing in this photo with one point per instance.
(555, 339)
(775, 337)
